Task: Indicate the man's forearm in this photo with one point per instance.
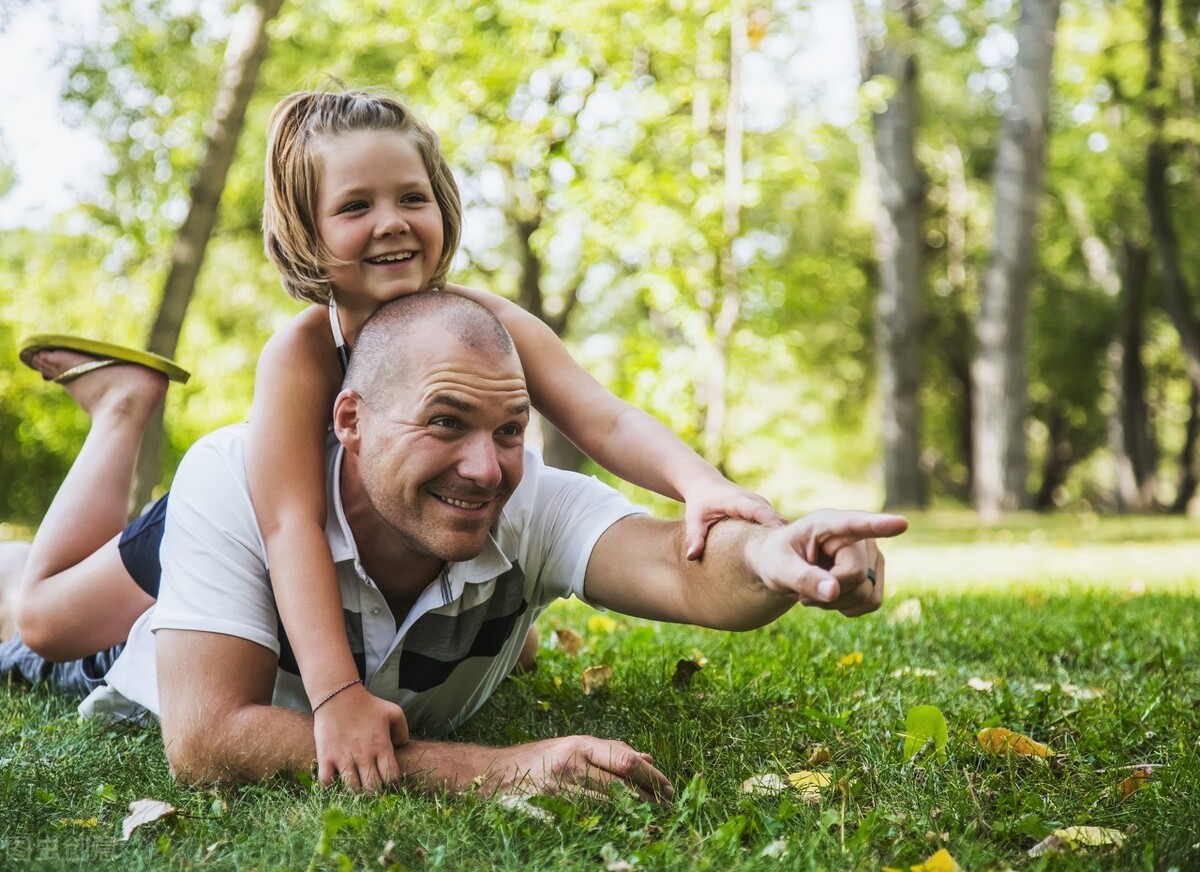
(726, 590)
(246, 745)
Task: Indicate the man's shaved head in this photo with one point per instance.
(380, 360)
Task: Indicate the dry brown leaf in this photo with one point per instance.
(567, 639)
(684, 670)
(999, 740)
(818, 755)
(1129, 786)
(144, 811)
(596, 678)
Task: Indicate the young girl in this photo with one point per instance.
(360, 209)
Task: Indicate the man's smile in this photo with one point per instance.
(462, 504)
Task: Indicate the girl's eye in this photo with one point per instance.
(414, 199)
(356, 206)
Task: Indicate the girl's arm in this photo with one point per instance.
(620, 437)
(297, 380)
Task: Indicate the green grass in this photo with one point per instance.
(762, 703)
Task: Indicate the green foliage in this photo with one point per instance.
(595, 129)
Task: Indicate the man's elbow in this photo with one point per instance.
(194, 758)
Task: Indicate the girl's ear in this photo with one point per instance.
(348, 409)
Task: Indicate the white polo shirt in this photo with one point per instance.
(459, 641)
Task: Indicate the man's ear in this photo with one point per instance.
(348, 410)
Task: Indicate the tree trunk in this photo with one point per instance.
(1176, 298)
(958, 350)
(998, 372)
(1187, 458)
(898, 249)
(1130, 437)
(1057, 463)
(728, 312)
(244, 56)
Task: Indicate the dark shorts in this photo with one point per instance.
(75, 678)
(139, 547)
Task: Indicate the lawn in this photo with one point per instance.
(1021, 627)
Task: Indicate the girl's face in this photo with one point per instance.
(376, 211)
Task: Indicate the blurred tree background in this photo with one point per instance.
(795, 264)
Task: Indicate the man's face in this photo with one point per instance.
(438, 465)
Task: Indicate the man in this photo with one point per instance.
(450, 538)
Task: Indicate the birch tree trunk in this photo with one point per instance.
(998, 371)
(899, 247)
(244, 56)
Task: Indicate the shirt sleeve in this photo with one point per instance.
(564, 515)
(214, 573)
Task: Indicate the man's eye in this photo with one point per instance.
(446, 423)
(512, 430)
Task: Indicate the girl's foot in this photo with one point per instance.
(121, 389)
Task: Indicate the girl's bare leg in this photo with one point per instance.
(75, 596)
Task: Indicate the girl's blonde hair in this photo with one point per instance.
(290, 200)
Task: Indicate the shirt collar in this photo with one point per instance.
(490, 563)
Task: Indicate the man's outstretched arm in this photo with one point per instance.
(749, 576)
(219, 726)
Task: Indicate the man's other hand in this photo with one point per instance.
(575, 764)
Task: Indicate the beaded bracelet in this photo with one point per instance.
(335, 692)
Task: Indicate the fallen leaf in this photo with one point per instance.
(1073, 691)
(144, 811)
(939, 861)
(595, 678)
(601, 624)
(999, 740)
(1129, 786)
(516, 802)
(1052, 844)
(906, 612)
(612, 860)
(777, 848)
(1069, 838)
(818, 755)
(766, 783)
(1091, 837)
(568, 640)
(924, 724)
(84, 823)
(809, 784)
(852, 659)
(980, 684)
(684, 670)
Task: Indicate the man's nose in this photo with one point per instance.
(479, 462)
